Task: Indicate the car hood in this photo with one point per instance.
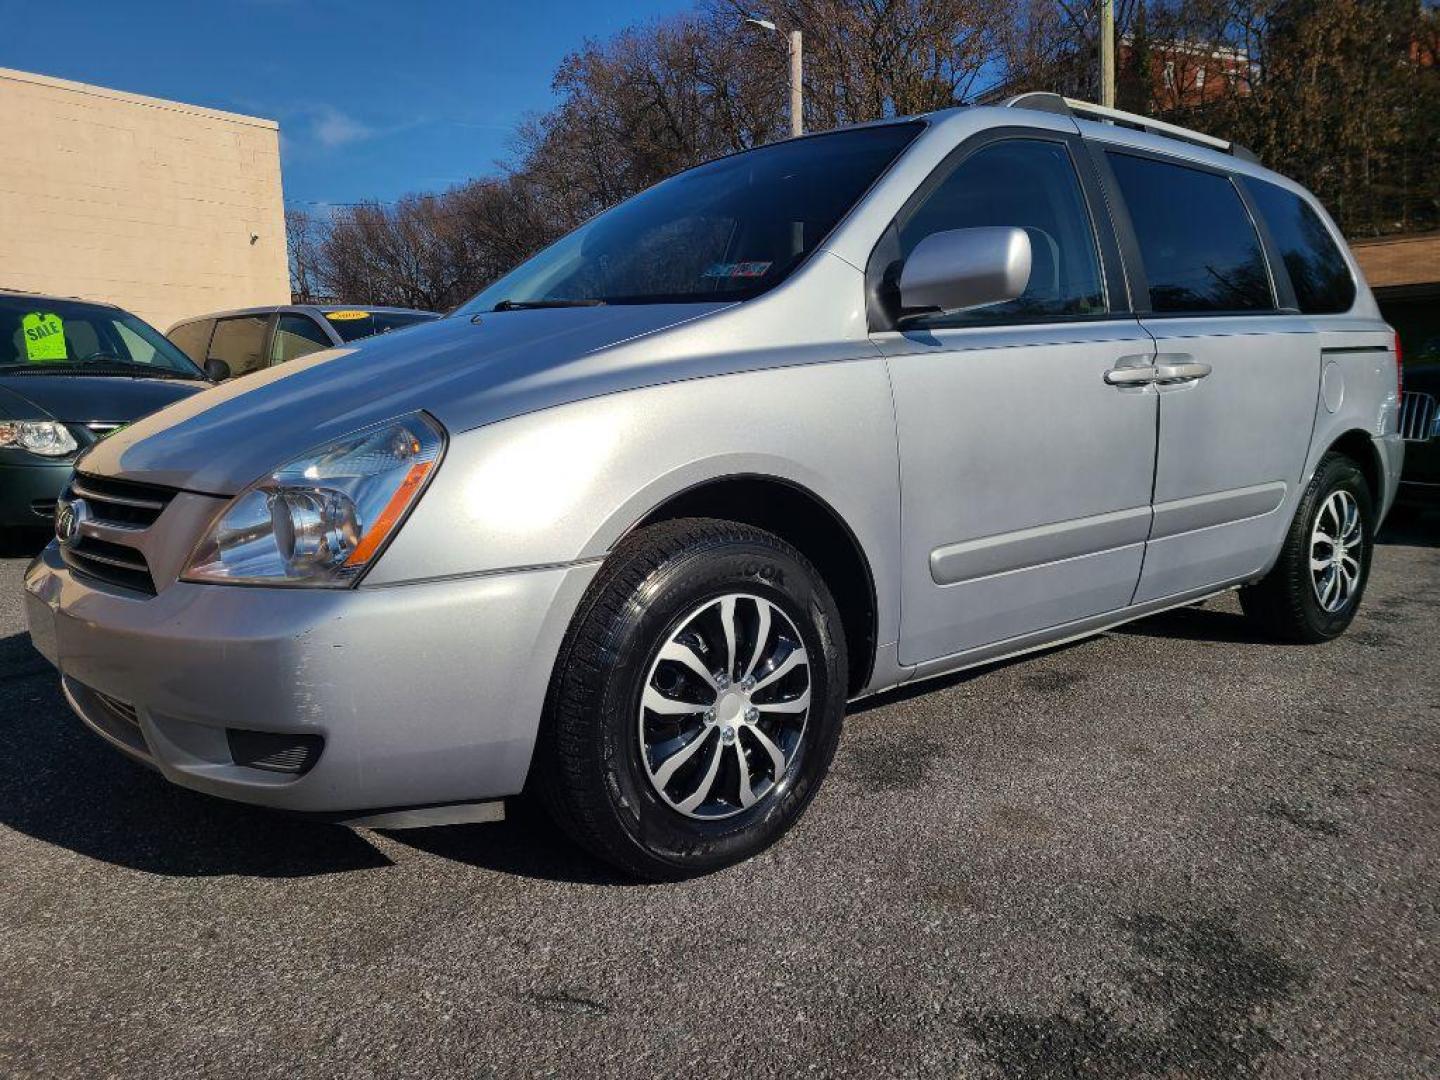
(465, 371)
(82, 399)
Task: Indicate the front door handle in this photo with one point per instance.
(1123, 375)
(1179, 368)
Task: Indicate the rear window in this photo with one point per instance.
(1197, 242)
(1318, 271)
(355, 324)
(193, 338)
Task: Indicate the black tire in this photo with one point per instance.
(588, 768)
(1284, 603)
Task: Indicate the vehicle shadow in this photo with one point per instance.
(1189, 623)
(62, 785)
(1200, 624)
(527, 844)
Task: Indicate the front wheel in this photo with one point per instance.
(1314, 590)
(697, 701)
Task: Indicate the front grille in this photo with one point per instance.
(115, 719)
(98, 544)
(120, 503)
(1417, 416)
(114, 564)
(121, 710)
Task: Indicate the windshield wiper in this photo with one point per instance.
(523, 305)
(123, 370)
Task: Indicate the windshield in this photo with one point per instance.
(353, 324)
(724, 231)
(42, 334)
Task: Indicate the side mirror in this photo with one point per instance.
(962, 269)
(217, 370)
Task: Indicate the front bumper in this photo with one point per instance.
(423, 693)
(28, 493)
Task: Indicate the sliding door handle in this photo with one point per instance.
(1179, 370)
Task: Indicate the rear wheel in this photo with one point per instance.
(697, 702)
(1314, 590)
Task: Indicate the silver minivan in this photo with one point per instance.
(806, 423)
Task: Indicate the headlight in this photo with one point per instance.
(43, 437)
(321, 519)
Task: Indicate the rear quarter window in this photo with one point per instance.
(1318, 271)
(240, 342)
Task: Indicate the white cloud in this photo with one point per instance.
(330, 128)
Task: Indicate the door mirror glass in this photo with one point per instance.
(963, 269)
(217, 370)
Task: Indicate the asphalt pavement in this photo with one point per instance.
(1176, 850)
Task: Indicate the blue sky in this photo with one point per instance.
(374, 99)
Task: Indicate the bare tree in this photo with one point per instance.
(303, 241)
(1342, 94)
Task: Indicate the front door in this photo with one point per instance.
(1237, 378)
(1026, 458)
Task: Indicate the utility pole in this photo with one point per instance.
(797, 72)
(1107, 53)
(797, 85)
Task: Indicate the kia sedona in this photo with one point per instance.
(803, 424)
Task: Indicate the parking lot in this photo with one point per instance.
(1174, 850)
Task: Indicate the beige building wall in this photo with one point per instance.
(168, 210)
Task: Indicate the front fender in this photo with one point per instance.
(562, 485)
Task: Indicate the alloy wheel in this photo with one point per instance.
(724, 708)
(1335, 549)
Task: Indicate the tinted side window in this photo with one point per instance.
(297, 336)
(1318, 271)
(1198, 244)
(240, 342)
(193, 339)
(1029, 184)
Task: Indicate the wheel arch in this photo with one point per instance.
(1360, 447)
(810, 524)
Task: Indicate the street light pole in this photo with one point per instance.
(797, 70)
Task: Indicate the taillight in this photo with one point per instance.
(1399, 367)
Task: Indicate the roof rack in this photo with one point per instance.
(1085, 110)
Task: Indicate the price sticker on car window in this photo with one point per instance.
(44, 335)
(346, 316)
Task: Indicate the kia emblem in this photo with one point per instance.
(68, 516)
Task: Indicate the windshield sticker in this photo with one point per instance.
(346, 316)
(737, 270)
(44, 337)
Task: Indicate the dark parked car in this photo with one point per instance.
(71, 372)
(231, 343)
(1420, 424)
